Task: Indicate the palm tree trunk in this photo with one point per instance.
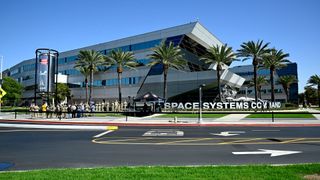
(255, 65)
(165, 72)
(259, 92)
(287, 89)
(272, 84)
(219, 86)
(91, 84)
(86, 82)
(119, 86)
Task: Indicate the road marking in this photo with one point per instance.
(102, 134)
(112, 127)
(272, 153)
(129, 139)
(240, 141)
(163, 132)
(227, 133)
(121, 141)
(186, 140)
(293, 140)
(266, 130)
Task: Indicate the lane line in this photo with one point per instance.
(244, 142)
(240, 141)
(266, 130)
(293, 140)
(132, 139)
(186, 140)
(102, 134)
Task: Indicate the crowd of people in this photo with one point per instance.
(68, 111)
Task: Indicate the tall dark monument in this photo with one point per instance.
(46, 74)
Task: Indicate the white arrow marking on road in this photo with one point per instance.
(272, 153)
(228, 133)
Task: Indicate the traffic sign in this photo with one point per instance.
(2, 92)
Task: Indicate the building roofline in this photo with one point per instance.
(184, 27)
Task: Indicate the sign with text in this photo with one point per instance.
(223, 105)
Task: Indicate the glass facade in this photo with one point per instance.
(15, 71)
(143, 61)
(176, 40)
(29, 67)
(145, 45)
(290, 69)
(114, 82)
(28, 77)
(71, 59)
(62, 60)
(70, 72)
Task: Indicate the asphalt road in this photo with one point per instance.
(38, 149)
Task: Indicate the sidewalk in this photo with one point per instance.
(155, 120)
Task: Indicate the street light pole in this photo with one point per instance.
(246, 93)
(200, 103)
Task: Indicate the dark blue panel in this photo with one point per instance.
(156, 70)
(175, 40)
(290, 69)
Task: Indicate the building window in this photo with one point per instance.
(175, 40)
(15, 71)
(143, 61)
(145, 45)
(28, 77)
(29, 67)
(71, 59)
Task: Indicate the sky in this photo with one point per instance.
(291, 25)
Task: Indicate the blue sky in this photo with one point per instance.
(291, 25)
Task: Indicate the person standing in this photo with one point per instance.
(44, 109)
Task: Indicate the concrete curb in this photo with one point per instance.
(128, 124)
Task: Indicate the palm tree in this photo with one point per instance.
(261, 80)
(89, 59)
(167, 56)
(275, 60)
(121, 60)
(219, 55)
(314, 80)
(257, 51)
(85, 72)
(286, 81)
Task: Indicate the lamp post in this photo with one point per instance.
(200, 103)
(246, 93)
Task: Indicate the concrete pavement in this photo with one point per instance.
(157, 120)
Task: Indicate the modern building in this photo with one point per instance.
(193, 39)
(246, 90)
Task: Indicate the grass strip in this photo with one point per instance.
(192, 115)
(280, 116)
(200, 172)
